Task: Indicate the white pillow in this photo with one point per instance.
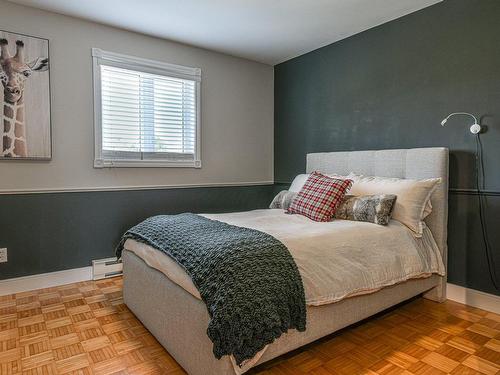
(299, 181)
(413, 197)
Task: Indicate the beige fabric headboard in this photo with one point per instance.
(414, 163)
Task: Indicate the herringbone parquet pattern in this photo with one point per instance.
(85, 328)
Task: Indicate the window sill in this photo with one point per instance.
(147, 164)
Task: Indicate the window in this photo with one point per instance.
(147, 113)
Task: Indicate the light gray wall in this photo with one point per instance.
(236, 102)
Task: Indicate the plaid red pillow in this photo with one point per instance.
(319, 197)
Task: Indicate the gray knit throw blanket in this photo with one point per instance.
(247, 278)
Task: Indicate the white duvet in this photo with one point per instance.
(336, 259)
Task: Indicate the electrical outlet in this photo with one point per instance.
(3, 255)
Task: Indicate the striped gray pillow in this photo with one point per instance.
(370, 208)
(283, 199)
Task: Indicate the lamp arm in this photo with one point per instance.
(464, 114)
(474, 129)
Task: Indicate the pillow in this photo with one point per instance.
(298, 182)
(283, 199)
(370, 208)
(411, 207)
(319, 197)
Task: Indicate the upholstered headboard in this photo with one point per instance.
(414, 163)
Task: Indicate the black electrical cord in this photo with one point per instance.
(484, 228)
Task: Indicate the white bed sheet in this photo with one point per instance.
(337, 259)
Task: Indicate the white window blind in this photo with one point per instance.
(147, 112)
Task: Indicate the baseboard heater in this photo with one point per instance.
(105, 268)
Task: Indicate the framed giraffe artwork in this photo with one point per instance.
(25, 96)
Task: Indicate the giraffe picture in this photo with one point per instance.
(25, 97)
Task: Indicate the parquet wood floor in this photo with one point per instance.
(85, 328)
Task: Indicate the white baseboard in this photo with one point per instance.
(474, 298)
(44, 280)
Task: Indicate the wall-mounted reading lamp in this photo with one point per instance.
(474, 129)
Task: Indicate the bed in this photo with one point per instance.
(170, 309)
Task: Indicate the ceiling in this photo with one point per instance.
(268, 31)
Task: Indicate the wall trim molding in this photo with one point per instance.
(132, 187)
(44, 280)
(474, 298)
(474, 192)
(456, 191)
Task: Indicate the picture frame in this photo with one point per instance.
(25, 97)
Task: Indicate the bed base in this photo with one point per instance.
(179, 321)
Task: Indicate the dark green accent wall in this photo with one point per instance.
(57, 231)
(390, 87)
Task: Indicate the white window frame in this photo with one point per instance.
(148, 66)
